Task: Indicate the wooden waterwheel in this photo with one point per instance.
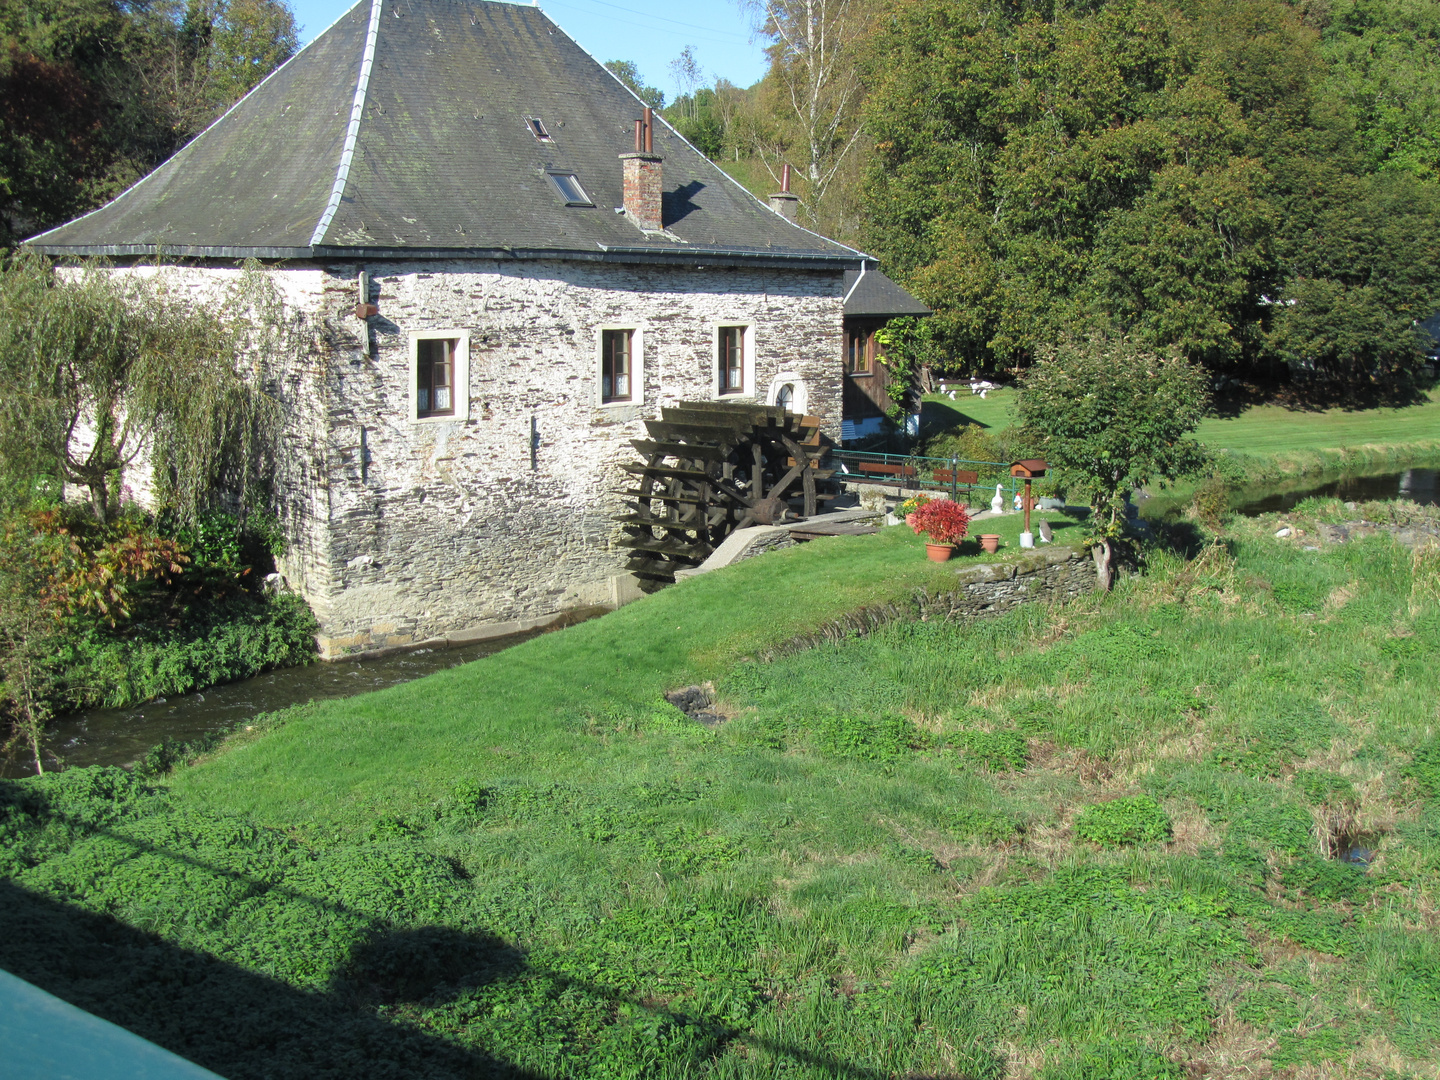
(711, 468)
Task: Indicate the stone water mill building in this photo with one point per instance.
(505, 274)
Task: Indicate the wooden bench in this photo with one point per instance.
(960, 477)
(874, 470)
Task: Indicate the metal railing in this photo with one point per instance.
(912, 472)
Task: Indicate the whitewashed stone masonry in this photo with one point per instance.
(403, 531)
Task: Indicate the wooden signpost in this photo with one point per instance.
(1029, 469)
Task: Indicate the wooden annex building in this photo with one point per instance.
(493, 274)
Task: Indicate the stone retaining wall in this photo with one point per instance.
(984, 590)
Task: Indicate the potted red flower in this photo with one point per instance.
(945, 522)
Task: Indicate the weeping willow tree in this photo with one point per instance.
(102, 371)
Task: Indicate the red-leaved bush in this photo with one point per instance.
(943, 520)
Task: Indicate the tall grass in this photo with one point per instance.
(872, 869)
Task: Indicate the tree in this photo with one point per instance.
(685, 70)
(1111, 417)
(699, 119)
(96, 93)
(1383, 61)
(1362, 270)
(629, 74)
(29, 632)
(814, 89)
(101, 368)
(1072, 167)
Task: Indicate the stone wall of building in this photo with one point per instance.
(436, 526)
(403, 530)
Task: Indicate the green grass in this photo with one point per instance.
(1080, 842)
(1259, 431)
(1268, 430)
(609, 671)
(995, 410)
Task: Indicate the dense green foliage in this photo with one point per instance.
(1135, 820)
(96, 93)
(1110, 418)
(1191, 174)
(132, 361)
(534, 866)
(118, 613)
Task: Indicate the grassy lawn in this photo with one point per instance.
(995, 410)
(1261, 430)
(1265, 430)
(341, 761)
(1094, 841)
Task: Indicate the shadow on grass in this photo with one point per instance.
(1319, 396)
(242, 1024)
(937, 416)
(230, 1020)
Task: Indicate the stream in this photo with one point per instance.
(1418, 485)
(123, 736)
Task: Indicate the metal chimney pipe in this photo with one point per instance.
(785, 179)
(649, 130)
(639, 136)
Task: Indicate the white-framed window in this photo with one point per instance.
(619, 366)
(439, 375)
(788, 390)
(732, 363)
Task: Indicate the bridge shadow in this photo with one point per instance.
(232, 1021)
(243, 1024)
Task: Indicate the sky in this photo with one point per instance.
(650, 32)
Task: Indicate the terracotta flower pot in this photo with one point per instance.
(990, 542)
(939, 552)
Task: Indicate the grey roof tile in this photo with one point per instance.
(873, 295)
(443, 161)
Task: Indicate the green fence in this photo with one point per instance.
(912, 472)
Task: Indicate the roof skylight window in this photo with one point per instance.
(537, 128)
(568, 184)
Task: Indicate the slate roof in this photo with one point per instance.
(872, 295)
(401, 131)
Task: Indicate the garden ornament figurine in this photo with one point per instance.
(997, 504)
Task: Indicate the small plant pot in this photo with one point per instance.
(990, 542)
(939, 552)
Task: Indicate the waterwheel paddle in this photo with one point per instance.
(713, 467)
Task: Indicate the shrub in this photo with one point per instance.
(968, 442)
(999, 751)
(1138, 819)
(943, 520)
(884, 738)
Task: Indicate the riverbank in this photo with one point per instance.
(1265, 449)
(534, 865)
(1260, 432)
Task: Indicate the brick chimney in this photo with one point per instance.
(643, 178)
(783, 202)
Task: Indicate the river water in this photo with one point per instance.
(1417, 485)
(123, 736)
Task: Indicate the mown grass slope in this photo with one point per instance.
(1257, 431)
(1094, 841)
